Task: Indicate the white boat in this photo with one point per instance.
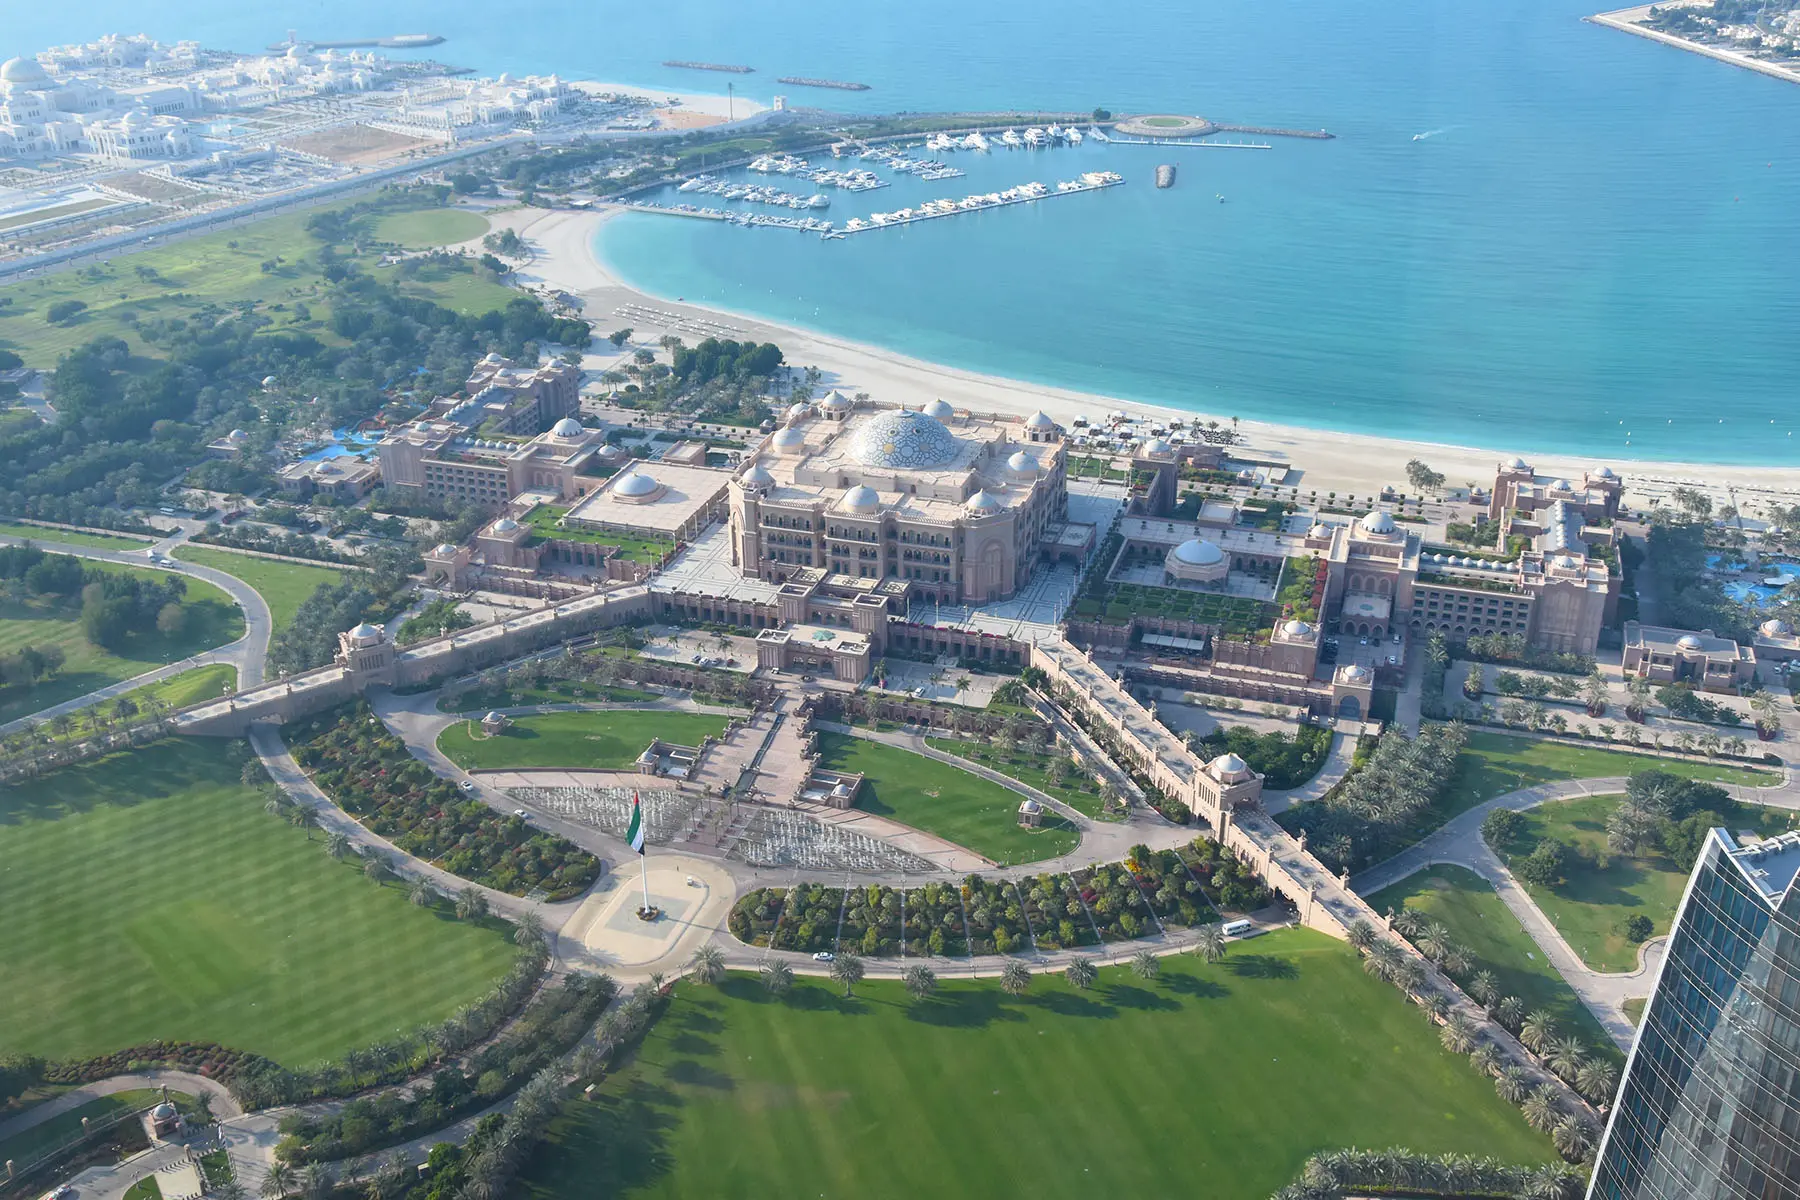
(1055, 133)
(1011, 138)
(1035, 137)
(819, 200)
(1073, 134)
(975, 142)
(1098, 134)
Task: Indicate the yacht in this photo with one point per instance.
(1055, 132)
(1073, 134)
(1098, 134)
(1035, 137)
(819, 200)
(975, 142)
(1011, 138)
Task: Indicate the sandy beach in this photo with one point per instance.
(687, 110)
(563, 242)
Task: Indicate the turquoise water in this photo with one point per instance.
(1595, 249)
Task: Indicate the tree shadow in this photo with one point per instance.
(692, 1043)
(1261, 966)
(699, 1075)
(1200, 989)
(704, 1022)
(1072, 1004)
(965, 1010)
(1127, 995)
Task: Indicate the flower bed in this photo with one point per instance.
(1057, 914)
(1228, 883)
(996, 917)
(808, 921)
(934, 921)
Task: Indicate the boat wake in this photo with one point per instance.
(1431, 133)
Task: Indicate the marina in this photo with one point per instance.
(744, 220)
(1025, 193)
(706, 185)
(1199, 144)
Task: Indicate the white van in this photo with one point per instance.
(1235, 928)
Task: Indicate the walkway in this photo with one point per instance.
(247, 654)
(176, 1081)
(1331, 772)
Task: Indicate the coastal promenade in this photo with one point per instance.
(1629, 20)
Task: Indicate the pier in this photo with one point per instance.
(405, 41)
(1029, 193)
(1195, 142)
(706, 66)
(840, 85)
(1268, 131)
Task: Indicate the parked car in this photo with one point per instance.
(521, 814)
(824, 956)
(467, 785)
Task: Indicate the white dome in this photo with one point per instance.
(1022, 463)
(1378, 522)
(1775, 627)
(1039, 420)
(568, 427)
(904, 439)
(789, 437)
(268, 381)
(1688, 641)
(1198, 552)
(1319, 529)
(984, 502)
(493, 716)
(939, 410)
(444, 550)
(1228, 768)
(505, 525)
(1518, 464)
(237, 435)
(797, 411)
(1603, 473)
(493, 358)
(22, 70)
(1157, 447)
(163, 1112)
(365, 632)
(1028, 805)
(634, 483)
(1353, 673)
(1296, 630)
(860, 499)
(834, 401)
(1565, 561)
(1562, 485)
(757, 476)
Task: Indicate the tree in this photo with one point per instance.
(777, 977)
(171, 619)
(1538, 1031)
(1423, 478)
(337, 845)
(1210, 945)
(1546, 865)
(528, 929)
(375, 865)
(316, 1182)
(1594, 694)
(1081, 974)
(1015, 978)
(1459, 1034)
(619, 337)
(847, 969)
(1485, 989)
(1513, 1084)
(1510, 1011)
(471, 903)
(1572, 1137)
(302, 816)
(1540, 1110)
(1597, 1080)
(1146, 966)
(708, 964)
(422, 894)
(279, 1181)
(921, 982)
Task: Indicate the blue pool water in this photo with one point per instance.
(1585, 253)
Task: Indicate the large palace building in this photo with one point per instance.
(958, 507)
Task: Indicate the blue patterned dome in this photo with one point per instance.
(908, 440)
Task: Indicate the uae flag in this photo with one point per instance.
(634, 833)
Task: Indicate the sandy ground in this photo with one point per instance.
(691, 110)
(1323, 460)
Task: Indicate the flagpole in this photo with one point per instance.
(644, 877)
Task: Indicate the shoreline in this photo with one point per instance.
(736, 107)
(1325, 460)
(1625, 20)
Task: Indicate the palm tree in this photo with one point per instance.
(1597, 1080)
(1408, 923)
(1210, 945)
(1537, 1031)
(279, 1181)
(1593, 694)
(1513, 1084)
(1484, 1058)
(1485, 989)
(1572, 1137)
(422, 894)
(1458, 1034)
(303, 817)
(316, 1182)
(1540, 1110)
(1510, 1011)
(777, 977)
(1637, 691)
(375, 866)
(275, 805)
(708, 964)
(1015, 978)
(1554, 1182)
(231, 1189)
(1145, 965)
(1081, 974)
(471, 904)
(1565, 1056)
(847, 969)
(337, 845)
(921, 981)
(1362, 935)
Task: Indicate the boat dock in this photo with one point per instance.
(1268, 131)
(1203, 145)
(931, 210)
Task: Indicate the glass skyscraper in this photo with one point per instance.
(1709, 1108)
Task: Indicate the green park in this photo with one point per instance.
(283, 585)
(607, 740)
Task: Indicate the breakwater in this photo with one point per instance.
(404, 41)
(839, 84)
(1268, 131)
(728, 68)
(1165, 175)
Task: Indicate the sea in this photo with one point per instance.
(1530, 233)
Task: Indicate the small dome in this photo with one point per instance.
(1028, 805)
(22, 70)
(1562, 485)
(566, 428)
(1517, 464)
(1198, 552)
(756, 476)
(834, 402)
(1566, 561)
(268, 381)
(492, 717)
(860, 499)
(1603, 473)
(984, 502)
(789, 437)
(841, 789)
(798, 412)
(1229, 768)
(505, 525)
(1296, 630)
(634, 483)
(1319, 529)
(364, 632)
(237, 435)
(1688, 641)
(444, 550)
(493, 358)
(1354, 673)
(163, 1112)
(1378, 522)
(938, 410)
(1775, 627)
(1022, 463)
(1039, 420)
(1156, 448)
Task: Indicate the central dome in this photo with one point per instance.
(1378, 522)
(860, 499)
(567, 428)
(634, 484)
(22, 70)
(1688, 641)
(908, 440)
(1200, 553)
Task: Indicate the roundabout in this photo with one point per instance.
(1165, 125)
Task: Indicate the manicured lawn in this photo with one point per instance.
(609, 740)
(555, 691)
(945, 800)
(1634, 1010)
(1591, 902)
(1493, 764)
(71, 537)
(1476, 918)
(1215, 1081)
(23, 1147)
(147, 895)
(213, 620)
(1078, 791)
(282, 585)
(428, 227)
(189, 687)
